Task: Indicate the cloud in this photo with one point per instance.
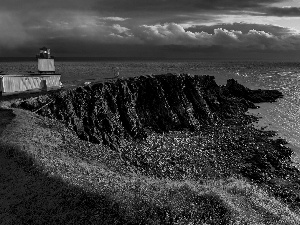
(132, 7)
(243, 27)
(174, 34)
(87, 28)
(80, 26)
(43, 6)
(113, 18)
(13, 34)
(179, 5)
(163, 34)
(283, 12)
(77, 24)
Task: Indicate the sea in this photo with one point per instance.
(282, 116)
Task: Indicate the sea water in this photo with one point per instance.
(282, 116)
(77, 71)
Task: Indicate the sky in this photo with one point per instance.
(220, 29)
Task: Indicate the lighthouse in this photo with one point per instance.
(44, 79)
(45, 61)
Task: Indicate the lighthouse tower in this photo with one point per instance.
(45, 61)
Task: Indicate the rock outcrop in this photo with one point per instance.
(130, 108)
(233, 88)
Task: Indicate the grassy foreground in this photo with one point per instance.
(49, 176)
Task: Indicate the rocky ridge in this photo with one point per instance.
(131, 108)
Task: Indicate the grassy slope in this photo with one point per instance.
(46, 178)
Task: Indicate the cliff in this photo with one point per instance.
(207, 167)
(130, 108)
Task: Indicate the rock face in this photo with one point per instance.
(235, 89)
(129, 108)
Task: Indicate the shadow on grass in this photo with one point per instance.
(6, 116)
(29, 196)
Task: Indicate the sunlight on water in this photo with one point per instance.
(284, 115)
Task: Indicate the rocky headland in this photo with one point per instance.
(130, 108)
(179, 128)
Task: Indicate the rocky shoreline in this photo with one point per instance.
(177, 127)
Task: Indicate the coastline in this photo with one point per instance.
(55, 152)
(267, 125)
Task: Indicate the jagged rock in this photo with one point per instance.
(235, 89)
(128, 108)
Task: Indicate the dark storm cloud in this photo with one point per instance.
(179, 5)
(101, 27)
(129, 6)
(284, 11)
(44, 5)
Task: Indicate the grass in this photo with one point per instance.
(35, 198)
(48, 176)
(30, 196)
